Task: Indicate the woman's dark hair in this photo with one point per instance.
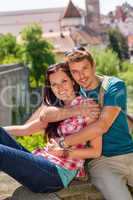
(50, 99)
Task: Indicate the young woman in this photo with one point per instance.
(45, 170)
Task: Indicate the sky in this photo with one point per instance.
(12, 5)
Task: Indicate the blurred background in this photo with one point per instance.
(35, 34)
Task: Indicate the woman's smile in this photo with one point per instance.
(62, 86)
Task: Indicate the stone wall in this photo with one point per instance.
(13, 89)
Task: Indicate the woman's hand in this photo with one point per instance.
(54, 149)
(52, 144)
(56, 152)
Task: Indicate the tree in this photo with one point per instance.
(36, 53)
(8, 47)
(107, 62)
(118, 43)
(127, 73)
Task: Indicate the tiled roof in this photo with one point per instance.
(71, 11)
(119, 13)
(60, 42)
(89, 39)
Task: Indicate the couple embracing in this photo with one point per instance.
(78, 129)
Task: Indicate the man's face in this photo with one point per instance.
(83, 73)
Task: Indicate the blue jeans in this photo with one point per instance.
(34, 172)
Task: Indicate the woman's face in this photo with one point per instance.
(62, 86)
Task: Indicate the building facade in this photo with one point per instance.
(53, 19)
(15, 21)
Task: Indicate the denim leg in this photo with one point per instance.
(7, 140)
(34, 172)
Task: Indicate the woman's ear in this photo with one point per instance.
(73, 83)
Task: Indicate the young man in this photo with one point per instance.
(114, 170)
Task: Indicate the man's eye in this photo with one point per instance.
(74, 72)
(85, 68)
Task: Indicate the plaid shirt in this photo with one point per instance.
(68, 127)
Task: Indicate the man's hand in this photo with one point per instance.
(89, 108)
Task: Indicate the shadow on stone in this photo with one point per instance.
(22, 193)
(77, 190)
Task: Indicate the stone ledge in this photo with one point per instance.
(7, 185)
(79, 190)
(23, 193)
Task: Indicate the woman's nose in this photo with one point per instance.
(60, 87)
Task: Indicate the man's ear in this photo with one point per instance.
(94, 66)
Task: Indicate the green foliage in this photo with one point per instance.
(130, 99)
(128, 77)
(107, 62)
(118, 43)
(8, 48)
(127, 72)
(10, 59)
(32, 142)
(36, 52)
(126, 65)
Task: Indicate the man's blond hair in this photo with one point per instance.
(79, 55)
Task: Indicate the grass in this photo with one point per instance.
(33, 141)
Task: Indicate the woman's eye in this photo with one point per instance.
(53, 85)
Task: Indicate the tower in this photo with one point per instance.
(92, 19)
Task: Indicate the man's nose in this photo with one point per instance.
(82, 75)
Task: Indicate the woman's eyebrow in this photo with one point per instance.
(52, 82)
